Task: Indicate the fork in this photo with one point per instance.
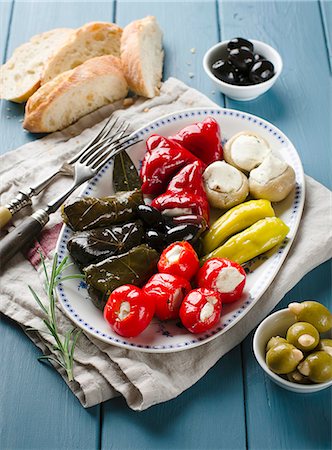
(85, 168)
(23, 198)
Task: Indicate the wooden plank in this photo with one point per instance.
(326, 12)
(31, 18)
(300, 101)
(210, 414)
(279, 419)
(298, 105)
(38, 409)
(5, 15)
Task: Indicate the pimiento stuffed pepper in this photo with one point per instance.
(185, 194)
(224, 276)
(200, 310)
(179, 259)
(202, 139)
(163, 159)
(128, 310)
(167, 292)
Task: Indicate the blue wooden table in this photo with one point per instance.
(234, 406)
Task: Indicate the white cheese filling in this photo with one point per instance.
(174, 212)
(270, 168)
(208, 308)
(249, 151)
(222, 177)
(228, 279)
(173, 254)
(124, 310)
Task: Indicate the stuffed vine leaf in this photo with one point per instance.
(92, 246)
(134, 267)
(87, 213)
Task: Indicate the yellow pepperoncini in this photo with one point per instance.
(259, 238)
(235, 220)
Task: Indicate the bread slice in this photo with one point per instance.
(20, 76)
(142, 56)
(91, 40)
(75, 93)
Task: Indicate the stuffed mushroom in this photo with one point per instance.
(273, 180)
(225, 185)
(246, 150)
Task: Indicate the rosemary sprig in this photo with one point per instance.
(64, 348)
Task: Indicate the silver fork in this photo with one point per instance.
(24, 197)
(85, 168)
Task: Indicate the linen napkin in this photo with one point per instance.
(103, 371)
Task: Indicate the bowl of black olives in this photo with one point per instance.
(294, 347)
(242, 69)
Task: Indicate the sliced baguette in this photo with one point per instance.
(75, 93)
(20, 76)
(91, 40)
(142, 56)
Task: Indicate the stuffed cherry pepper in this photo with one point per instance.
(167, 292)
(128, 310)
(222, 275)
(201, 310)
(179, 259)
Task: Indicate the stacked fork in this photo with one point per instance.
(83, 166)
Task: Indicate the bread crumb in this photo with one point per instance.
(193, 50)
(21, 120)
(146, 109)
(188, 63)
(213, 92)
(191, 75)
(128, 101)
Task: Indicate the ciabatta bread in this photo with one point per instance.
(75, 93)
(20, 76)
(142, 56)
(91, 40)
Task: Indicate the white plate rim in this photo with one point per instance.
(278, 257)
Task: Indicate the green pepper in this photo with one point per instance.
(134, 267)
(235, 220)
(89, 212)
(259, 238)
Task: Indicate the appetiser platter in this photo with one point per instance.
(171, 336)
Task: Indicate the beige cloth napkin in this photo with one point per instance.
(104, 371)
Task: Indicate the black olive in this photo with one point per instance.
(258, 57)
(242, 59)
(261, 71)
(243, 80)
(225, 71)
(184, 232)
(240, 42)
(150, 216)
(155, 239)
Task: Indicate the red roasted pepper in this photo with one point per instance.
(179, 259)
(200, 310)
(185, 193)
(128, 311)
(163, 159)
(225, 276)
(202, 139)
(167, 292)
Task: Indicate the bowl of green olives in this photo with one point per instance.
(242, 69)
(294, 347)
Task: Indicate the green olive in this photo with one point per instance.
(303, 335)
(312, 312)
(283, 358)
(325, 345)
(275, 340)
(317, 366)
(297, 377)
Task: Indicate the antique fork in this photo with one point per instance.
(24, 197)
(85, 168)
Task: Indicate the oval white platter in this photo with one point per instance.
(162, 337)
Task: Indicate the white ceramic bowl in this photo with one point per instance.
(277, 324)
(243, 93)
